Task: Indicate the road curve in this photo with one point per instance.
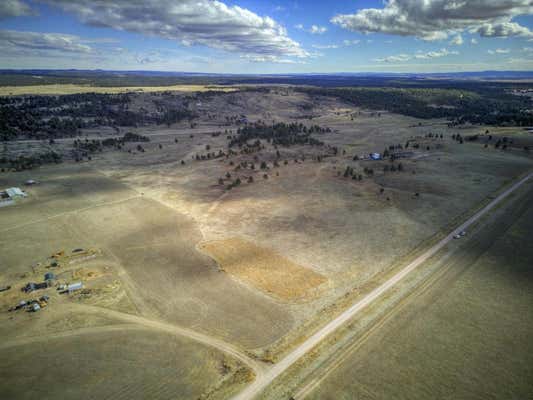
(131, 322)
(180, 331)
(263, 381)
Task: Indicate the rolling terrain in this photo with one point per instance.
(243, 243)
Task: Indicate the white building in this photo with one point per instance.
(14, 192)
(74, 286)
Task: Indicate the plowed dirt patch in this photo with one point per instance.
(264, 269)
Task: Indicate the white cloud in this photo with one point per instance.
(326, 46)
(503, 29)
(527, 49)
(418, 56)
(457, 40)
(396, 58)
(14, 8)
(499, 51)
(313, 29)
(474, 41)
(317, 30)
(351, 42)
(209, 23)
(151, 58)
(437, 19)
(436, 54)
(526, 62)
(270, 59)
(20, 42)
(345, 43)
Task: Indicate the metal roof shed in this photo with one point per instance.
(15, 192)
(74, 286)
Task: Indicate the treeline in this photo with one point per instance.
(48, 117)
(96, 145)
(486, 107)
(45, 117)
(278, 134)
(28, 162)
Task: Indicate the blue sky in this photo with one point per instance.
(250, 36)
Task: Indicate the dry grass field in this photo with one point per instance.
(120, 362)
(144, 241)
(466, 336)
(255, 267)
(60, 89)
(264, 269)
(156, 247)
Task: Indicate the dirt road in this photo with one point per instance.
(135, 322)
(177, 330)
(263, 381)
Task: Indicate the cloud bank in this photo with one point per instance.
(191, 22)
(14, 8)
(437, 19)
(418, 56)
(20, 42)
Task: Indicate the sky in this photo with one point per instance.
(257, 36)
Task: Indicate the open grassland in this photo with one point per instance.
(114, 363)
(466, 336)
(264, 269)
(63, 189)
(309, 238)
(61, 89)
(150, 246)
(156, 245)
(343, 229)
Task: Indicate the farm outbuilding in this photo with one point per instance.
(8, 196)
(74, 286)
(15, 192)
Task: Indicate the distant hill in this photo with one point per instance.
(111, 73)
(10, 77)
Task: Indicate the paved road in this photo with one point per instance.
(263, 381)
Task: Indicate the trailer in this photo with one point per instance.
(74, 286)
